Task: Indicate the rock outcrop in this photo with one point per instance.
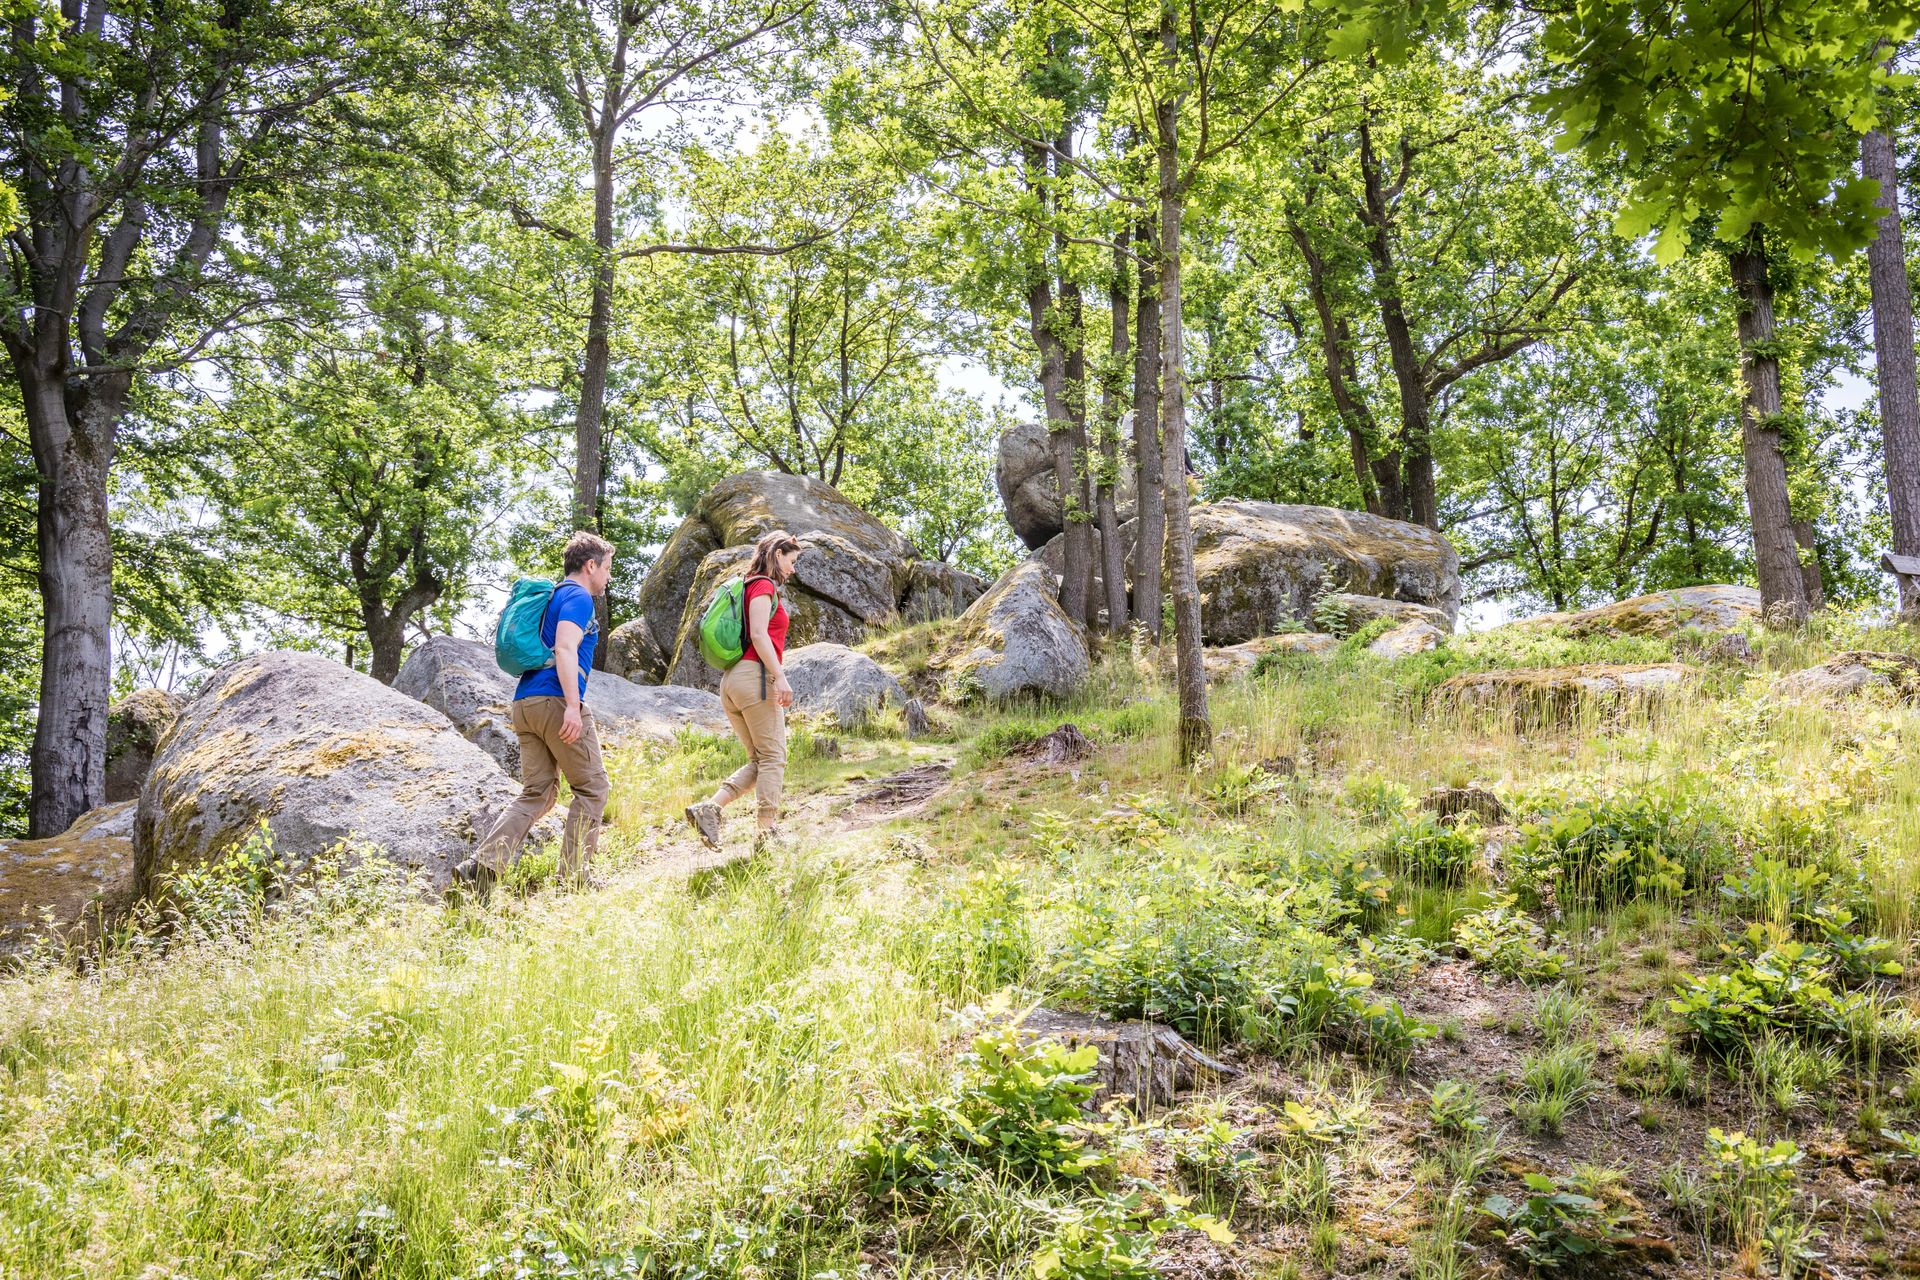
(1014, 640)
(1355, 611)
(1660, 613)
(135, 725)
(460, 679)
(71, 885)
(1229, 662)
(1896, 675)
(322, 755)
(1406, 640)
(1557, 690)
(831, 679)
(1262, 564)
(854, 575)
(1023, 472)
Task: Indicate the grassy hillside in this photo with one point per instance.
(1658, 1014)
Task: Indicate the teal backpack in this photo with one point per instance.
(723, 628)
(517, 645)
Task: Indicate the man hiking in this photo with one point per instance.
(555, 729)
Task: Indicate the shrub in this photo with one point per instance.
(1602, 852)
(1786, 986)
(1431, 849)
(1113, 1235)
(1507, 941)
(1013, 1108)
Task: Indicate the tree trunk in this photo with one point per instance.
(1073, 320)
(76, 598)
(1113, 570)
(1416, 443)
(1150, 510)
(1894, 360)
(1783, 588)
(1196, 732)
(386, 643)
(588, 444)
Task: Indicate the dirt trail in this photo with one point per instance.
(853, 805)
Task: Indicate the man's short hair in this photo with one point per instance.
(583, 547)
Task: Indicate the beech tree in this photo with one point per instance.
(1893, 355)
(1733, 119)
(136, 135)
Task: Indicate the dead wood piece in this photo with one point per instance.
(1143, 1062)
(1063, 746)
(1451, 802)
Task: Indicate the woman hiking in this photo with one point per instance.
(755, 695)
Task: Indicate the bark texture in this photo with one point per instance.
(1783, 587)
(1894, 359)
(1113, 400)
(1150, 490)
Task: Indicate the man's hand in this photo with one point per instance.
(782, 692)
(570, 724)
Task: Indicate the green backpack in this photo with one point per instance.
(517, 645)
(723, 629)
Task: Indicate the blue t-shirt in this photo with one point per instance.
(571, 603)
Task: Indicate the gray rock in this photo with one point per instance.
(1260, 565)
(135, 725)
(322, 755)
(853, 576)
(832, 679)
(633, 653)
(1015, 640)
(72, 885)
(938, 590)
(1847, 675)
(1023, 472)
(1230, 662)
(1406, 640)
(1357, 611)
(1718, 607)
(459, 679)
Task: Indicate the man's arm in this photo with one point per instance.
(566, 665)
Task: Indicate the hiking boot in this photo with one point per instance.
(704, 818)
(474, 878)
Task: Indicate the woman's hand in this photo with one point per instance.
(782, 692)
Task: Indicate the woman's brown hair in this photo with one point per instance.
(764, 565)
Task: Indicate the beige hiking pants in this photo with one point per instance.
(543, 759)
(746, 695)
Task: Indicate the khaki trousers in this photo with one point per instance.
(746, 695)
(543, 758)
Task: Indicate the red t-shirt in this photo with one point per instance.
(776, 625)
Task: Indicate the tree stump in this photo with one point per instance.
(1142, 1062)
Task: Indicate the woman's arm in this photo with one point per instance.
(759, 613)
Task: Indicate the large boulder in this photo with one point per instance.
(135, 725)
(1661, 613)
(1261, 565)
(1894, 675)
(633, 652)
(1015, 640)
(1023, 472)
(321, 755)
(1406, 640)
(936, 589)
(72, 885)
(460, 679)
(834, 680)
(854, 576)
(1555, 691)
(1352, 612)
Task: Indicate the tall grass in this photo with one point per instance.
(654, 1069)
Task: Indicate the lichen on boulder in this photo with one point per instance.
(1014, 640)
(1558, 690)
(1847, 675)
(1230, 662)
(1717, 607)
(69, 887)
(323, 755)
